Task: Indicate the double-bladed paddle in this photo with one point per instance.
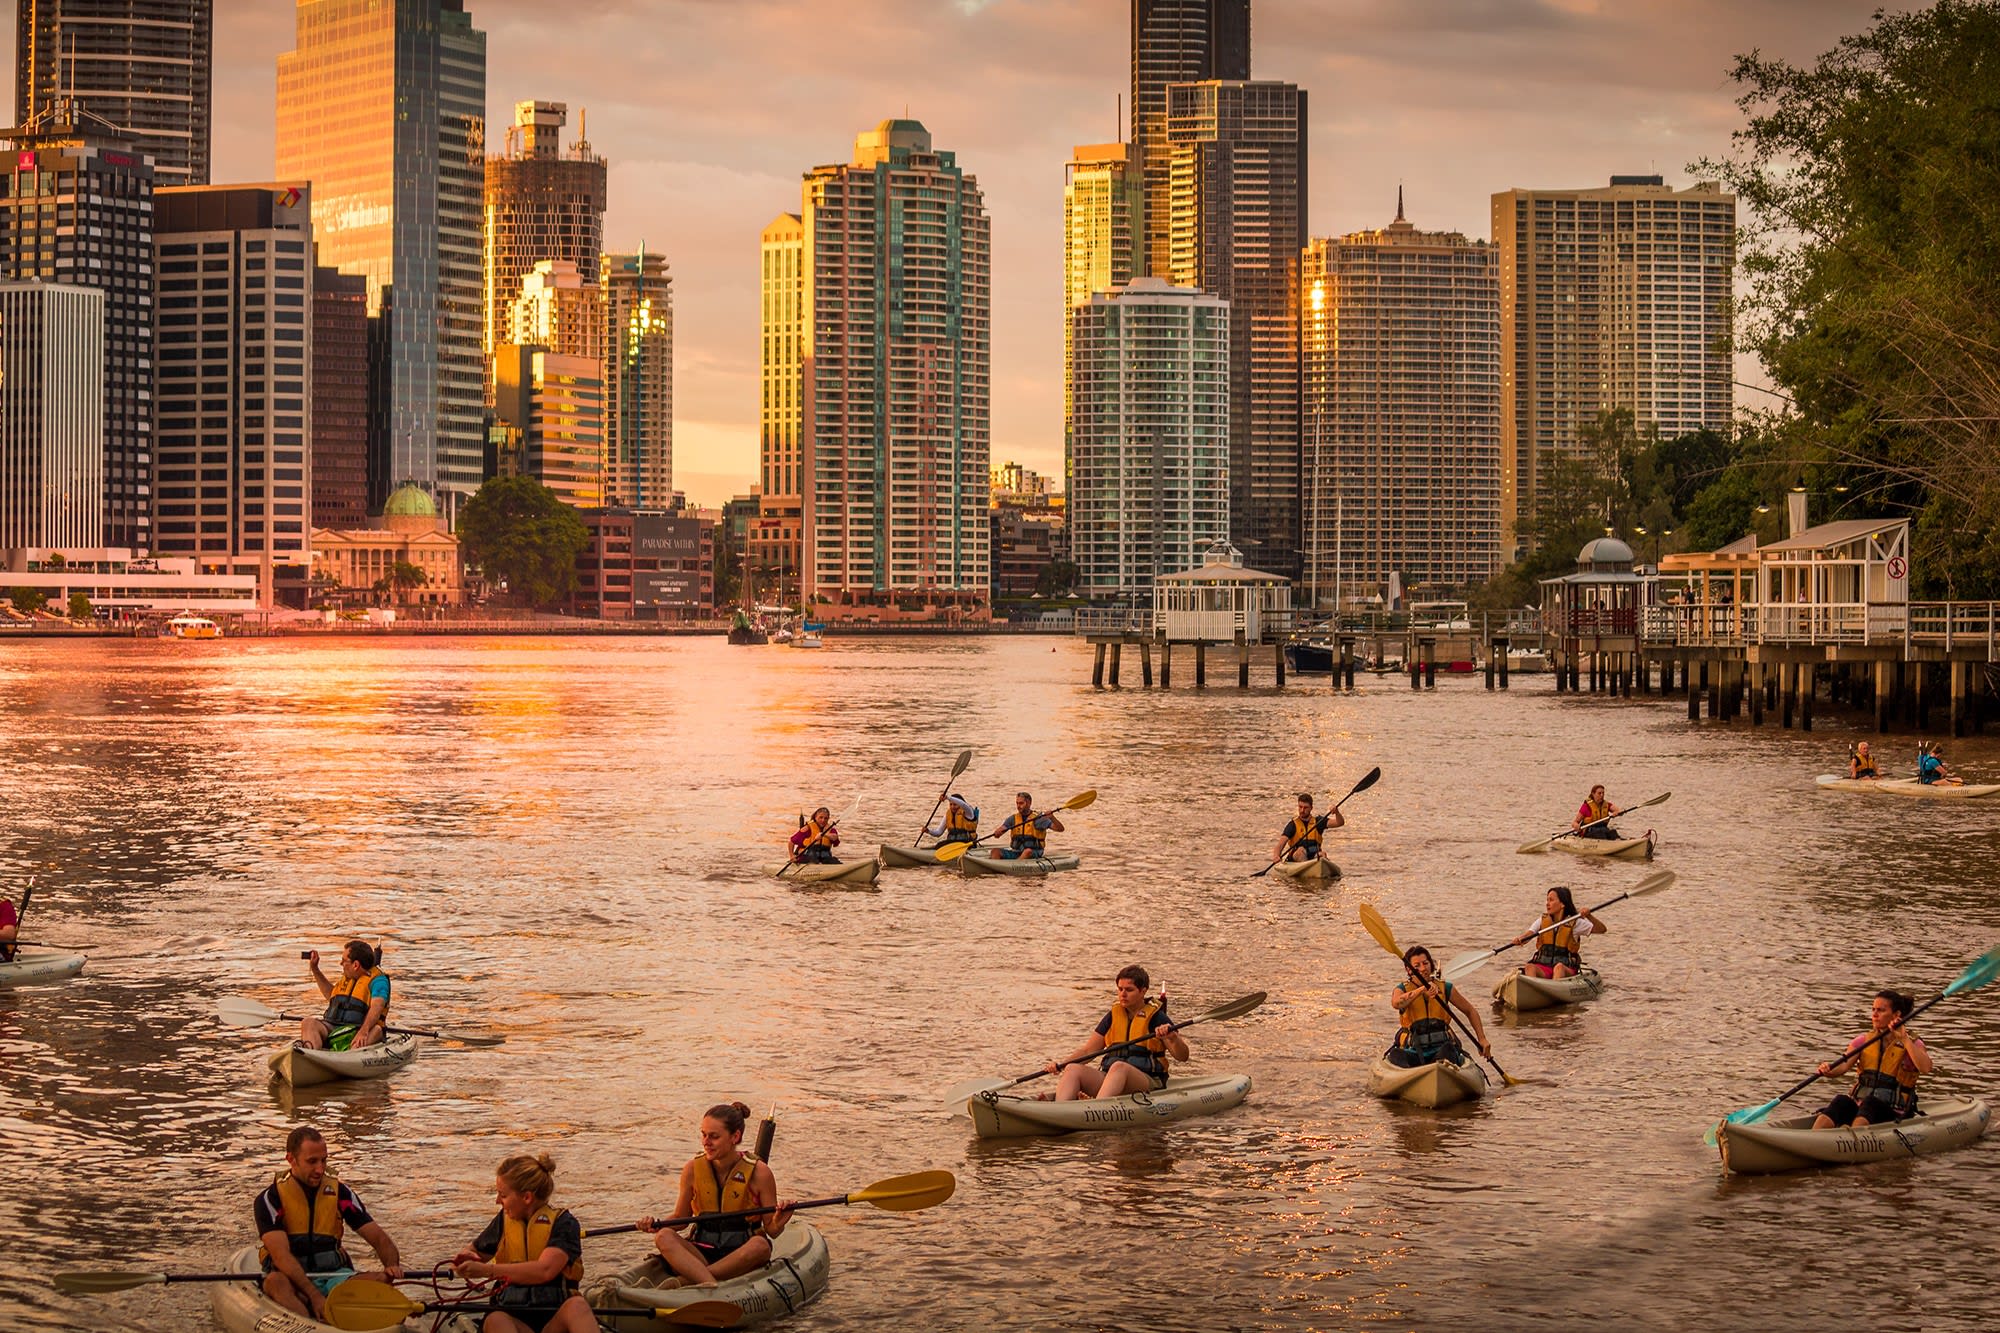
(1377, 927)
(1467, 963)
(241, 1012)
(1542, 844)
(956, 1097)
(1980, 972)
(897, 1194)
(964, 762)
(951, 851)
(92, 1284)
(1368, 780)
(839, 819)
(363, 1303)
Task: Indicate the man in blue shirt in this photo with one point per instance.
(1931, 769)
(357, 1005)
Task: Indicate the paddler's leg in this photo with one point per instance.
(751, 1254)
(280, 1289)
(1123, 1079)
(1563, 971)
(681, 1256)
(1078, 1082)
(312, 1032)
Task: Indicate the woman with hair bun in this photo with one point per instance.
(1889, 1059)
(721, 1178)
(535, 1248)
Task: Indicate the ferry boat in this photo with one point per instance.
(193, 627)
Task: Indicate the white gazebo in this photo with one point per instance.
(1219, 601)
(1845, 582)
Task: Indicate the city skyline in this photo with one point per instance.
(698, 169)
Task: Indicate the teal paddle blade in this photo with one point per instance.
(1748, 1115)
(1984, 969)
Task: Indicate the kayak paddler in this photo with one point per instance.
(1861, 763)
(10, 929)
(1425, 1035)
(357, 1005)
(1595, 807)
(1140, 1069)
(1028, 832)
(815, 840)
(1556, 937)
(1300, 839)
(300, 1219)
(958, 823)
(722, 1178)
(1932, 769)
(535, 1248)
(1886, 1090)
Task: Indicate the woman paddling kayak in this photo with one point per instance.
(1423, 1003)
(1133, 1017)
(1556, 936)
(1889, 1068)
(721, 1178)
(537, 1249)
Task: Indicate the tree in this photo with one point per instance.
(28, 600)
(1056, 579)
(403, 576)
(79, 606)
(1872, 256)
(523, 536)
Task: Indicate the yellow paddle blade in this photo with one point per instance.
(1079, 802)
(951, 851)
(1376, 926)
(363, 1303)
(906, 1194)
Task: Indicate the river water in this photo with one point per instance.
(572, 843)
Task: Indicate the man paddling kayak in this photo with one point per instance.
(1932, 770)
(813, 844)
(1133, 1017)
(357, 1005)
(1595, 808)
(1300, 839)
(1424, 1004)
(300, 1219)
(958, 823)
(1861, 763)
(1886, 1090)
(721, 1178)
(535, 1248)
(1030, 832)
(1556, 937)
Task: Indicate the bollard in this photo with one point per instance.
(1097, 669)
(1201, 666)
(1117, 654)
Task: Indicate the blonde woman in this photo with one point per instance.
(536, 1248)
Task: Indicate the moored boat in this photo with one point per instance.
(1308, 657)
(1440, 1083)
(1319, 871)
(1936, 791)
(1792, 1144)
(1518, 990)
(36, 967)
(302, 1067)
(983, 863)
(1630, 849)
(1005, 1115)
(188, 626)
(794, 1278)
(242, 1307)
(835, 873)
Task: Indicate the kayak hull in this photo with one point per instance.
(978, 863)
(1440, 1083)
(1936, 791)
(1518, 990)
(797, 1274)
(1321, 871)
(1627, 849)
(242, 1307)
(40, 967)
(302, 1068)
(1791, 1144)
(903, 857)
(1012, 1116)
(849, 873)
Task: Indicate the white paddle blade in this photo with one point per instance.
(91, 1284)
(1465, 965)
(241, 1012)
(1653, 883)
(956, 1097)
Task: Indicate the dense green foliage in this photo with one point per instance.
(28, 600)
(524, 537)
(79, 606)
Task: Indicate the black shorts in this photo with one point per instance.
(1408, 1059)
(1159, 1079)
(712, 1250)
(1843, 1109)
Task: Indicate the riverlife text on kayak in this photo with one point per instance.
(1368, 779)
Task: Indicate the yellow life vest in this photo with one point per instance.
(1426, 1023)
(347, 1006)
(815, 835)
(731, 1193)
(523, 1242)
(1307, 837)
(1887, 1074)
(313, 1223)
(1597, 809)
(958, 820)
(1555, 943)
(1151, 1057)
(1028, 835)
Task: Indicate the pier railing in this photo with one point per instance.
(1949, 625)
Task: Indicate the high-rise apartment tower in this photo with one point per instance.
(1103, 231)
(51, 415)
(637, 294)
(1176, 41)
(542, 204)
(144, 65)
(776, 537)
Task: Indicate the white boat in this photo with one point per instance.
(1440, 1083)
(808, 637)
(37, 967)
(909, 856)
(1010, 1115)
(193, 627)
(1318, 871)
(836, 873)
(1630, 849)
(242, 1307)
(1518, 990)
(301, 1066)
(1936, 791)
(794, 1279)
(1792, 1143)
(983, 863)
(1526, 661)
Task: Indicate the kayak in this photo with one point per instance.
(1632, 849)
(1320, 871)
(979, 863)
(909, 856)
(839, 872)
(302, 1067)
(34, 967)
(794, 1278)
(1440, 1083)
(1518, 990)
(242, 1307)
(1792, 1143)
(1009, 1115)
(1936, 791)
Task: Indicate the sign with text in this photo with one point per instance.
(667, 537)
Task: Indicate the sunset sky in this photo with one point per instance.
(709, 111)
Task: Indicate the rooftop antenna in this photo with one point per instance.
(1399, 201)
(1121, 118)
(583, 131)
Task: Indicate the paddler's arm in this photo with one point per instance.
(1052, 824)
(529, 1273)
(1171, 1038)
(1090, 1047)
(385, 1249)
(319, 977)
(1332, 819)
(1464, 1005)
(1916, 1052)
(764, 1188)
(370, 1030)
(279, 1246)
(1596, 927)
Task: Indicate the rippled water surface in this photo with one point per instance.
(572, 843)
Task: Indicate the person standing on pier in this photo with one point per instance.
(813, 844)
(1861, 763)
(1030, 831)
(1597, 813)
(1300, 839)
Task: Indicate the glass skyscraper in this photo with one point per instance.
(143, 65)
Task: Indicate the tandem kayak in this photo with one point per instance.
(302, 1067)
(836, 873)
(1936, 791)
(1319, 871)
(1440, 1083)
(1518, 990)
(1792, 1143)
(794, 1278)
(1631, 849)
(35, 967)
(894, 857)
(242, 1307)
(979, 863)
(1005, 1115)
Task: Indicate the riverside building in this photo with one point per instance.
(145, 66)
(51, 415)
(1103, 231)
(542, 204)
(777, 539)
(1175, 41)
(637, 295)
